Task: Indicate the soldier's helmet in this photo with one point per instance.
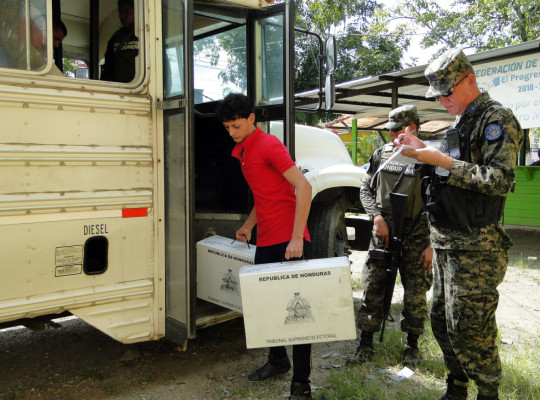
(402, 116)
(443, 72)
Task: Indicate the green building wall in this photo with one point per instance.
(523, 206)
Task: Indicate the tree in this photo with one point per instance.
(360, 53)
(225, 52)
(69, 66)
(475, 24)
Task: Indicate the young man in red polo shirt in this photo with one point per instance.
(282, 201)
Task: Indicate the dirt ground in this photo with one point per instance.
(76, 361)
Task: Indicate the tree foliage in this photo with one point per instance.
(372, 38)
(227, 52)
(360, 53)
(69, 66)
(475, 24)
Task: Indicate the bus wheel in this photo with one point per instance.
(328, 231)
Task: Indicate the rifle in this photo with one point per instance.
(392, 254)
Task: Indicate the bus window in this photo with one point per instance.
(173, 31)
(122, 47)
(269, 61)
(103, 39)
(220, 65)
(23, 41)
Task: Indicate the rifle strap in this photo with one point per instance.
(402, 172)
(417, 216)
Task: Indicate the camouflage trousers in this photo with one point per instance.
(465, 299)
(415, 279)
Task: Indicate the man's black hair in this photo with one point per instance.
(234, 106)
(57, 23)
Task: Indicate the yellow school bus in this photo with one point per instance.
(108, 183)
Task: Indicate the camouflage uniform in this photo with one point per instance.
(416, 280)
(470, 263)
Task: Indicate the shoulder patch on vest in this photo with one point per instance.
(493, 132)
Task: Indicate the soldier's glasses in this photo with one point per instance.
(450, 91)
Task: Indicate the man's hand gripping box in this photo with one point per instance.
(297, 302)
(218, 261)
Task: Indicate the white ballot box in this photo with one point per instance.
(297, 302)
(218, 261)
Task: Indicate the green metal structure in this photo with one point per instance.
(523, 205)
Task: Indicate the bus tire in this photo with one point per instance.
(327, 230)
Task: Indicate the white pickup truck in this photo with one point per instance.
(335, 181)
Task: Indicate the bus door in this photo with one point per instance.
(179, 293)
(271, 64)
(208, 51)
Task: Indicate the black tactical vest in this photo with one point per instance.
(450, 206)
(398, 178)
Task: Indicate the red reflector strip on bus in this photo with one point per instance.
(134, 212)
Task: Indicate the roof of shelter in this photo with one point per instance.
(371, 98)
(378, 124)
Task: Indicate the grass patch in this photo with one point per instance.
(356, 284)
(521, 370)
(521, 263)
(368, 381)
(521, 373)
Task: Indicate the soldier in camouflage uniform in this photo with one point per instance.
(415, 262)
(474, 174)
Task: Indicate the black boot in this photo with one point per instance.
(484, 397)
(456, 389)
(365, 350)
(300, 391)
(411, 354)
(272, 368)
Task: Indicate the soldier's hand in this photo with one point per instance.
(409, 138)
(380, 228)
(426, 258)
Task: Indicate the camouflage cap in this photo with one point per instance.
(443, 72)
(402, 116)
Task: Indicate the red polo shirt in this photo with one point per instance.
(265, 159)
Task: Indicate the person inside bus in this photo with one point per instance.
(282, 198)
(122, 48)
(59, 33)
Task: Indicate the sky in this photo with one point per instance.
(422, 55)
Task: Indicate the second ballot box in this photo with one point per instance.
(297, 302)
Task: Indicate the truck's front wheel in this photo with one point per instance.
(328, 231)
